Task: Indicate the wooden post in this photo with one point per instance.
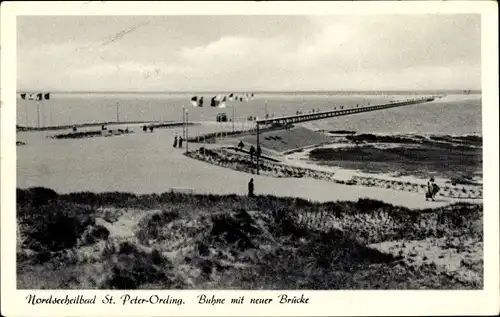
(50, 116)
(42, 124)
(38, 113)
(117, 111)
(266, 110)
(187, 121)
(183, 122)
(258, 144)
(26, 109)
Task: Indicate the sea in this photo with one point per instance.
(148, 163)
(454, 114)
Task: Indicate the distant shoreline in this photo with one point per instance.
(154, 124)
(333, 92)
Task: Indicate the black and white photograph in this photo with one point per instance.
(249, 152)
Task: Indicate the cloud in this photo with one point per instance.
(323, 52)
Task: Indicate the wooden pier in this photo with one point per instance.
(287, 120)
(336, 113)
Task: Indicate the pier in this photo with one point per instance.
(287, 120)
(342, 112)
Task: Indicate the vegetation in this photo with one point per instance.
(458, 162)
(212, 137)
(80, 125)
(229, 241)
(78, 135)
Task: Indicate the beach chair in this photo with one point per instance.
(180, 190)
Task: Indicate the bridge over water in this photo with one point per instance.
(336, 113)
(286, 120)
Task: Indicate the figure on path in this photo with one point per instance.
(180, 141)
(241, 145)
(144, 128)
(432, 189)
(250, 188)
(151, 129)
(252, 152)
(258, 152)
(175, 141)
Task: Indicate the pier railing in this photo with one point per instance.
(286, 120)
(336, 113)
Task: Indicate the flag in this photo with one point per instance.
(46, 96)
(194, 101)
(197, 102)
(222, 102)
(23, 96)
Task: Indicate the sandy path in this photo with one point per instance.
(448, 258)
(145, 163)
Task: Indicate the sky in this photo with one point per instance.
(248, 53)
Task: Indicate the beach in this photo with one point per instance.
(364, 189)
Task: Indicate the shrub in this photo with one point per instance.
(35, 196)
(55, 226)
(132, 267)
(94, 233)
(150, 227)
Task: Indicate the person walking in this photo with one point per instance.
(252, 152)
(251, 188)
(258, 152)
(175, 141)
(431, 189)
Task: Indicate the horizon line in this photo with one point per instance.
(251, 91)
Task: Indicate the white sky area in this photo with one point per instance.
(245, 53)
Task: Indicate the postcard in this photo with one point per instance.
(249, 158)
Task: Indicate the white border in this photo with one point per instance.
(323, 303)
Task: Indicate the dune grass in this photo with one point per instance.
(229, 241)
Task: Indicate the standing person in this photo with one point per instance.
(430, 189)
(151, 129)
(175, 141)
(252, 152)
(180, 142)
(259, 151)
(250, 188)
(144, 128)
(241, 145)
